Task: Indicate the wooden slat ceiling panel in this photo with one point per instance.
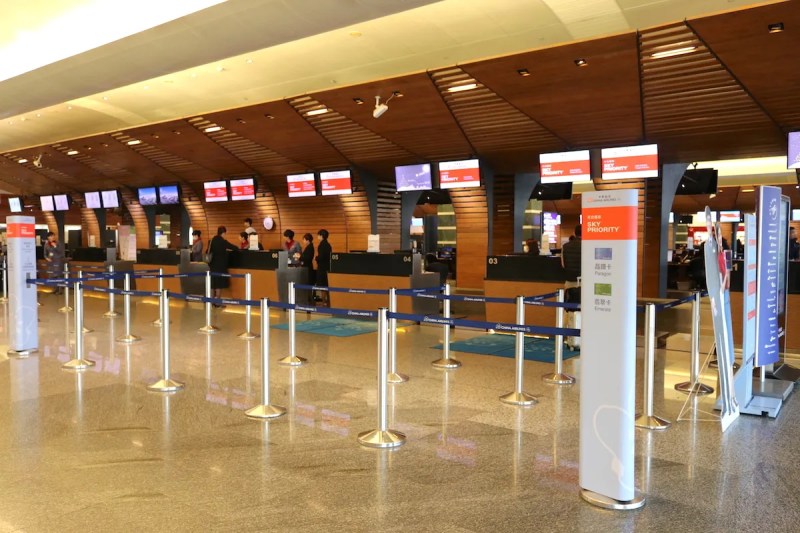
(175, 165)
(21, 178)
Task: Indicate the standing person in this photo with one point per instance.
(307, 260)
(218, 248)
(54, 255)
(571, 263)
(244, 240)
(293, 247)
(197, 246)
(248, 226)
(794, 246)
(323, 262)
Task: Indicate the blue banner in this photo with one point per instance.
(768, 256)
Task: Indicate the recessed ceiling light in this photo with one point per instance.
(105, 98)
(23, 119)
(465, 87)
(748, 190)
(38, 115)
(358, 101)
(134, 142)
(212, 129)
(269, 116)
(220, 68)
(21, 161)
(72, 152)
(355, 34)
(248, 61)
(397, 94)
(320, 111)
(176, 132)
(581, 62)
(523, 72)
(241, 121)
(194, 74)
(674, 52)
(69, 107)
(777, 27)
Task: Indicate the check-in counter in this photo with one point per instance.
(167, 259)
(381, 271)
(263, 269)
(509, 276)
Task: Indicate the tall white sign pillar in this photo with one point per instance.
(23, 331)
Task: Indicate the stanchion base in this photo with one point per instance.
(3, 300)
(156, 323)
(291, 360)
(166, 385)
(77, 364)
(129, 339)
(610, 503)
(64, 309)
(265, 411)
(518, 398)
(248, 335)
(558, 379)
(110, 314)
(21, 354)
(652, 422)
(446, 363)
(208, 330)
(381, 439)
(396, 377)
(698, 388)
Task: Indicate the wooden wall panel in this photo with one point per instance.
(472, 236)
(357, 217)
(138, 217)
(89, 226)
(309, 215)
(388, 218)
(503, 216)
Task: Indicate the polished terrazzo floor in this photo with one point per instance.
(95, 451)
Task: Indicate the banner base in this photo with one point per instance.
(610, 503)
(21, 354)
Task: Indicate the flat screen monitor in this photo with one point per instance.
(110, 199)
(458, 174)
(630, 162)
(216, 191)
(148, 196)
(92, 200)
(47, 203)
(15, 205)
(552, 191)
(795, 213)
(336, 182)
(169, 195)
(61, 201)
(698, 181)
(301, 185)
(413, 177)
(417, 226)
(562, 167)
(730, 216)
(243, 189)
(793, 153)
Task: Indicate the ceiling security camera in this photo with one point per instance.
(37, 161)
(379, 110)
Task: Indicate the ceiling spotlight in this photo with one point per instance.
(212, 129)
(777, 27)
(358, 101)
(523, 72)
(581, 62)
(72, 152)
(134, 142)
(22, 161)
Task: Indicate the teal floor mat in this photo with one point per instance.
(541, 350)
(334, 327)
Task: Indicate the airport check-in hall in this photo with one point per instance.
(456, 265)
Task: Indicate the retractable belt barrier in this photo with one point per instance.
(478, 324)
(341, 289)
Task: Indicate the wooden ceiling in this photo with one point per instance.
(736, 95)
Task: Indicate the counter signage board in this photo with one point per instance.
(456, 174)
(564, 167)
(23, 334)
(216, 191)
(630, 162)
(337, 182)
(301, 185)
(768, 256)
(608, 344)
(243, 189)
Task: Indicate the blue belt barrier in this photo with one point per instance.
(280, 305)
(419, 291)
(225, 275)
(354, 313)
(121, 292)
(340, 289)
(477, 324)
(565, 305)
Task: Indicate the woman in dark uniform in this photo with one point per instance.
(323, 263)
(218, 247)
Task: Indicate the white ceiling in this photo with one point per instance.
(243, 52)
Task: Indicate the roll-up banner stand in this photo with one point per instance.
(23, 338)
(608, 349)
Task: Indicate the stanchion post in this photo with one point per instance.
(166, 383)
(265, 409)
(247, 334)
(518, 396)
(693, 386)
(111, 313)
(4, 297)
(446, 361)
(292, 359)
(157, 321)
(383, 437)
(80, 277)
(558, 377)
(66, 308)
(394, 376)
(128, 338)
(208, 329)
(648, 420)
(78, 362)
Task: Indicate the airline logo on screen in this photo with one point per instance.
(243, 189)
(630, 162)
(216, 191)
(301, 185)
(565, 167)
(21, 231)
(454, 174)
(337, 182)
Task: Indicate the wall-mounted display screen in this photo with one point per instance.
(301, 185)
(456, 174)
(795, 212)
(15, 205)
(243, 189)
(46, 203)
(730, 216)
(92, 200)
(61, 201)
(413, 177)
(562, 167)
(793, 153)
(169, 194)
(216, 191)
(552, 191)
(110, 199)
(630, 162)
(698, 181)
(148, 196)
(336, 182)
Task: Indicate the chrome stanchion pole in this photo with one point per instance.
(446, 361)
(292, 359)
(647, 420)
(559, 377)
(265, 409)
(394, 376)
(67, 308)
(157, 321)
(166, 383)
(383, 437)
(78, 362)
(80, 277)
(518, 396)
(4, 297)
(111, 313)
(208, 329)
(247, 334)
(128, 338)
(693, 386)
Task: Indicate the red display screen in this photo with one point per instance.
(216, 191)
(630, 162)
(565, 167)
(337, 182)
(301, 185)
(243, 189)
(456, 174)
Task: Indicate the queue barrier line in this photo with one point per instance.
(419, 290)
(340, 289)
(478, 324)
(122, 292)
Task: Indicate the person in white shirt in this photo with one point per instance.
(248, 226)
